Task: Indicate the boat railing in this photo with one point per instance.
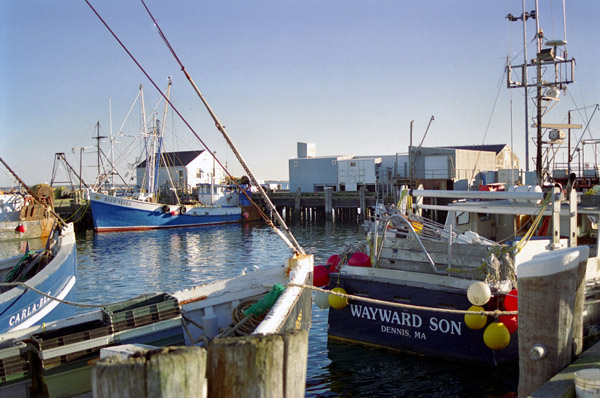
(414, 233)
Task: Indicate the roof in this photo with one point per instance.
(176, 158)
(488, 148)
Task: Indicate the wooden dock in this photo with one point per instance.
(291, 205)
(562, 385)
(327, 204)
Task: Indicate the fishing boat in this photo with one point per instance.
(22, 217)
(144, 210)
(418, 271)
(408, 283)
(28, 280)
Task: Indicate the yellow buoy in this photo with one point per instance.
(338, 302)
(496, 336)
(475, 321)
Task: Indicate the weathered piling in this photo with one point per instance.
(171, 372)
(251, 366)
(551, 296)
(328, 202)
(258, 366)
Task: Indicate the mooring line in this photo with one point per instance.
(494, 313)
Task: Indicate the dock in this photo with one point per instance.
(313, 206)
(562, 385)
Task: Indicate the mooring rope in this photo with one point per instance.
(26, 286)
(494, 313)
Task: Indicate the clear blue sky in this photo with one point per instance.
(347, 75)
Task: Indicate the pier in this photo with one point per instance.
(327, 204)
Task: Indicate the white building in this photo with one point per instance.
(185, 170)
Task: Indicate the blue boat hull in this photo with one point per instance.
(21, 307)
(404, 329)
(121, 214)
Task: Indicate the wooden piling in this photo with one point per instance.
(363, 202)
(258, 366)
(551, 296)
(170, 372)
(328, 203)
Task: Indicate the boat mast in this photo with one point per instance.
(538, 157)
(546, 58)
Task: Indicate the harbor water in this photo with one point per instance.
(118, 266)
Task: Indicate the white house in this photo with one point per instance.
(185, 170)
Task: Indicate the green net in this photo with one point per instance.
(259, 308)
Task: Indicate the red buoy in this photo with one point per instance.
(21, 229)
(320, 276)
(510, 321)
(511, 301)
(359, 259)
(334, 263)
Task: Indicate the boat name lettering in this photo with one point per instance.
(117, 201)
(404, 319)
(27, 312)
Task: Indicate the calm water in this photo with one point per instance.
(116, 266)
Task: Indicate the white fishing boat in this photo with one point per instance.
(26, 280)
(23, 217)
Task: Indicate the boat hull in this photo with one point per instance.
(121, 214)
(21, 308)
(438, 333)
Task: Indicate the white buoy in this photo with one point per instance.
(322, 299)
(479, 293)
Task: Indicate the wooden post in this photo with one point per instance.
(328, 203)
(295, 363)
(297, 203)
(258, 366)
(551, 296)
(363, 202)
(170, 372)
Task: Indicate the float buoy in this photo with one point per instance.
(475, 321)
(479, 293)
(338, 302)
(496, 336)
(510, 321)
(511, 301)
(322, 299)
(182, 210)
(334, 263)
(359, 259)
(165, 209)
(320, 276)
(21, 229)
(174, 213)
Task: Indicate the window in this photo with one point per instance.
(199, 173)
(352, 164)
(333, 162)
(295, 163)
